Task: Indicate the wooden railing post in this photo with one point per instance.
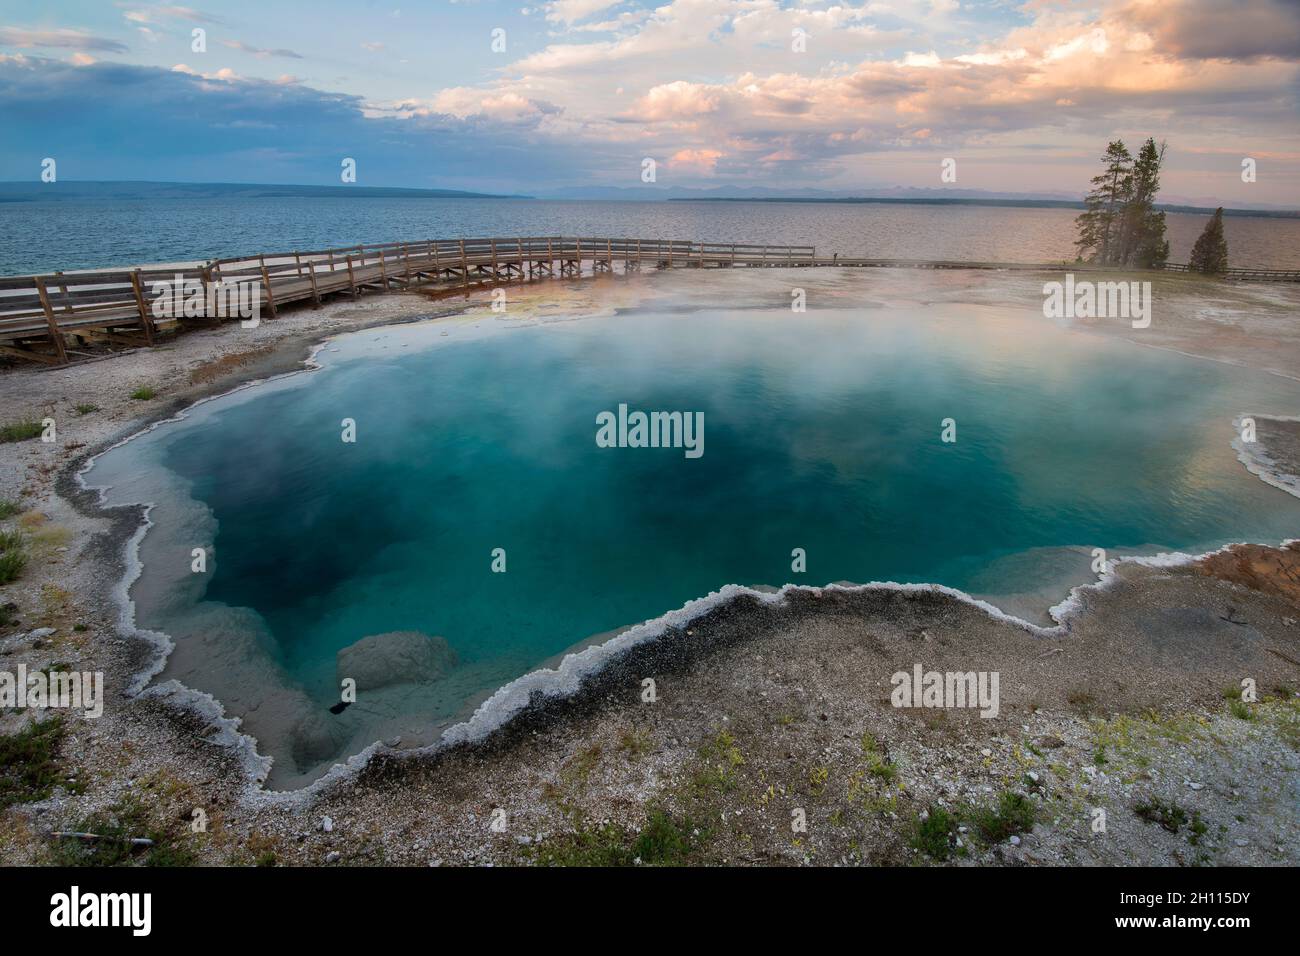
(63, 293)
(352, 278)
(146, 320)
(55, 334)
(266, 280)
(464, 264)
(311, 274)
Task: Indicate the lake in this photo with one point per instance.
(45, 236)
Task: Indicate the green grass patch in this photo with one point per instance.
(116, 826)
(722, 760)
(1167, 814)
(634, 743)
(86, 408)
(20, 431)
(663, 841)
(143, 393)
(12, 563)
(1013, 814)
(1241, 710)
(29, 763)
(933, 834)
(9, 508)
(877, 765)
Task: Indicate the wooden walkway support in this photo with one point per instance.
(44, 317)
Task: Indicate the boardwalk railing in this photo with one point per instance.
(45, 318)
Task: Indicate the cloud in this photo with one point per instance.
(222, 127)
(1242, 30)
(699, 160)
(677, 100)
(715, 88)
(152, 14)
(259, 51)
(571, 11)
(67, 39)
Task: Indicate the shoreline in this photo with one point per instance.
(516, 712)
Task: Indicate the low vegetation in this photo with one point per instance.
(29, 763)
(938, 834)
(143, 393)
(20, 431)
(1166, 813)
(13, 555)
(663, 841)
(113, 831)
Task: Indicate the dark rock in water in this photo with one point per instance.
(315, 739)
(397, 657)
(340, 707)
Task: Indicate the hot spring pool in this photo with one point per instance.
(822, 431)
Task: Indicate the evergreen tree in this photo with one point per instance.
(1099, 224)
(1142, 234)
(1210, 254)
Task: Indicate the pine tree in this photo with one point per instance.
(1210, 254)
(1099, 224)
(1142, 234)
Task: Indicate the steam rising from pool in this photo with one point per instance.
(478, 434)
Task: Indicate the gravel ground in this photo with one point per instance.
(771, 740)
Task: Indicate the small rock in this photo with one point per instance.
(986, 752)
(333, 856)
(1241, 841)
(41, 632)
(1196, 786)
(1015, 841)
(327, 825)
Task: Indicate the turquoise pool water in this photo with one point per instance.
(822, 432)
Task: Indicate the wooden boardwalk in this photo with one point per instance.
(46, 318)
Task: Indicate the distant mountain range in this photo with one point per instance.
(900, 193)
(28, 191)
(893, 194)
(127, 189)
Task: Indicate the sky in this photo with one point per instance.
(540, 96)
